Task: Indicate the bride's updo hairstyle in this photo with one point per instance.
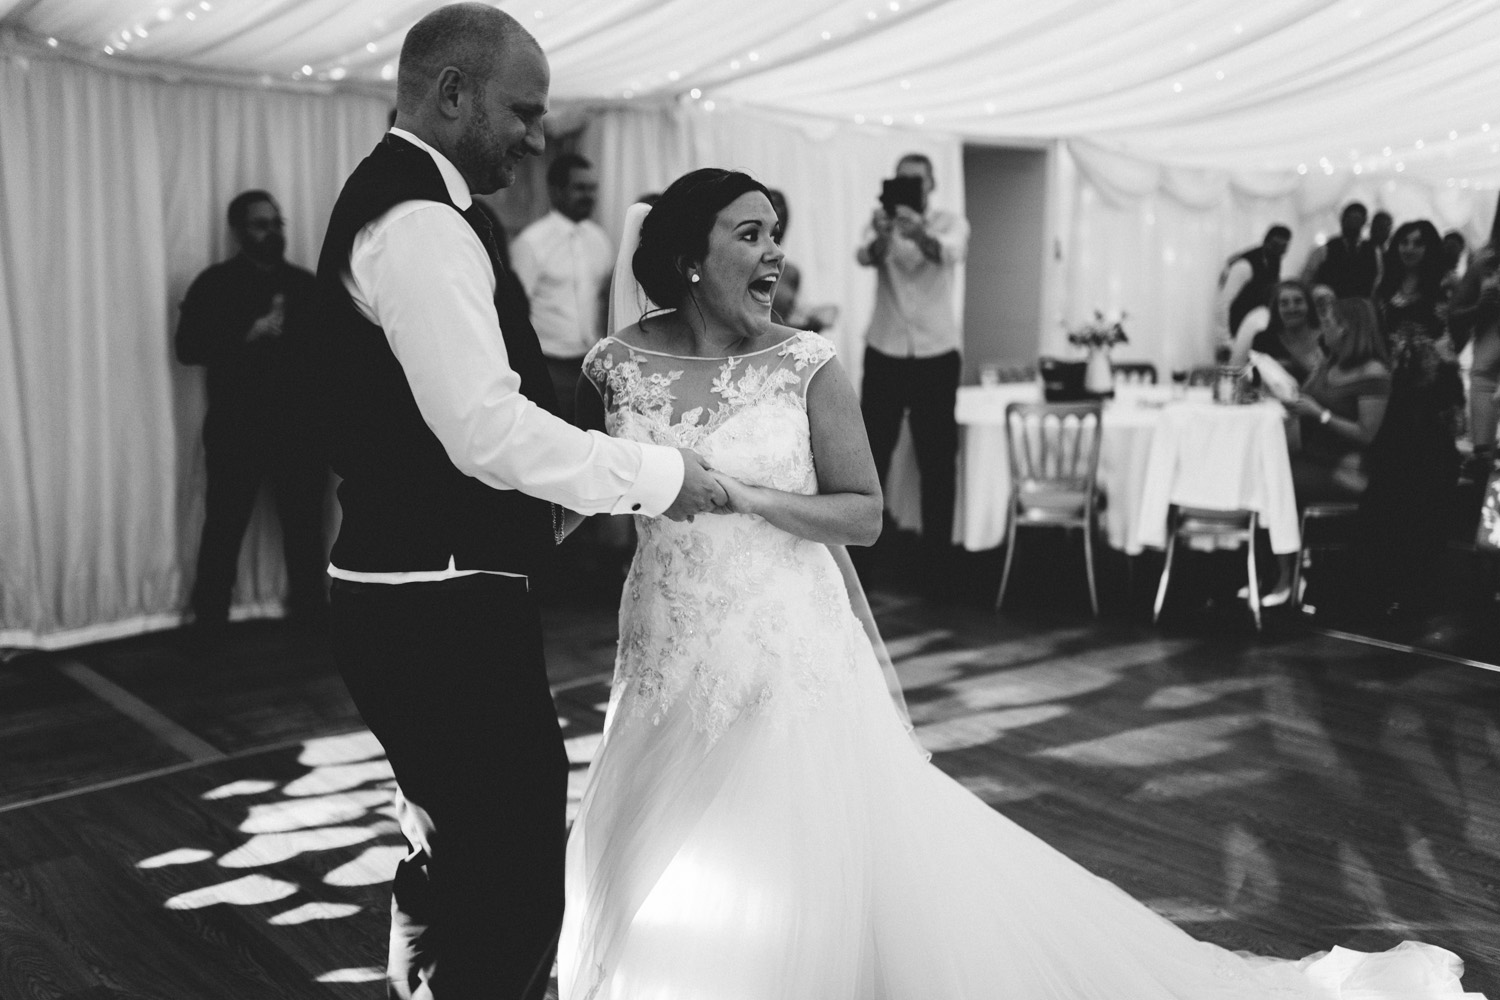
(675, 231)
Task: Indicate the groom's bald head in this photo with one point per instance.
(473, 85)
(473, 38)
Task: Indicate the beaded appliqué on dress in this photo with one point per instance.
(725, 617)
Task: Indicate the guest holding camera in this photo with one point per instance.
(912, 361)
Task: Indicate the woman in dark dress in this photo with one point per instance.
(1413, 462)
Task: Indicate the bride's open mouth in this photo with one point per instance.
(763, 289)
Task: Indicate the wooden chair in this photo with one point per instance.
(1222, 526)
(1135, 372)
(1054, 476)
(1325, 527)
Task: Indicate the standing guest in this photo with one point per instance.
(784, 304)
(1455, 253)
(1380, 230)
(1288, 331)
(1247, 279)
(453, 483)
(1474, 318)
(564, 261)
(1413, 461)
(912, 360)
(250, 321)
(1410, 295)
(1347, 264)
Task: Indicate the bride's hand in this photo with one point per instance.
(741, 497)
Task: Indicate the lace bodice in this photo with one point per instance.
(727, 612)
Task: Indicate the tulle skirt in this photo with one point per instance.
(817, 854)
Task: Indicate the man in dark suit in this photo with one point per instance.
(1248, 277)
(1347, 263)
(251, 321)
(454, 484)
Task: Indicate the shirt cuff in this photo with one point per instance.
(658, 484)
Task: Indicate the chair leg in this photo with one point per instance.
(1297, 564)
(1166, 570)
(1088, 561)
(1010, 554)
(1254, 577)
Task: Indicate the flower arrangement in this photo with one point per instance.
(1099, 332)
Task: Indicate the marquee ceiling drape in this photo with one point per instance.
(1381, 87)
(115, 166)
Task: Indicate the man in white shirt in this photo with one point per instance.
(564, 261)
(454, 484)
(912, 359)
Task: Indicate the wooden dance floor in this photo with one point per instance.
(186, 825)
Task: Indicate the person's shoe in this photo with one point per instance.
(1277, 598)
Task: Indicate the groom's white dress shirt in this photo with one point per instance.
(421, 274)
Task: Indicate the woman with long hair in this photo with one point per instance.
(1413, 461)
(1410, 294)
(1289, 334)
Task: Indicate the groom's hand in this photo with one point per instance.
(700, 491)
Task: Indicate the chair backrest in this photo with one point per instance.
(1135, 372)
(1054, 446)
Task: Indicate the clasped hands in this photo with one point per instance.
(706, 491)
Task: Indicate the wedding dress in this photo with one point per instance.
(757, 824)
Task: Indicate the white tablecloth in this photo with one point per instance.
(1221, 458)
(1135, 510)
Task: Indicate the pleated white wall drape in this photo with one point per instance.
(112, 197)
(1151, 240)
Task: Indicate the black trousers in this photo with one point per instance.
(927, 388)
(449, 677)
(238, 462)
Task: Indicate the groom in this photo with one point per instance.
(454, 480)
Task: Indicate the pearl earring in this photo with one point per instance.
(694, 278)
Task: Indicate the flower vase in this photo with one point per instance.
(1099, 375)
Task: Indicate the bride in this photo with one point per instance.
(758, 824)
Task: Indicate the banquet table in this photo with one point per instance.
(1222, 457)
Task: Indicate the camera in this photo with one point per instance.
(899, 191)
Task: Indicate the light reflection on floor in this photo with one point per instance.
(961, 699)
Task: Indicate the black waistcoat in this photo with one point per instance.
(1257, 291)
(406, 507)
(1349, 271)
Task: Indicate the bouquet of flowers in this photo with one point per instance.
(1099, 332)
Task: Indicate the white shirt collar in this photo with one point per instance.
(458, 188)
(559, 219)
